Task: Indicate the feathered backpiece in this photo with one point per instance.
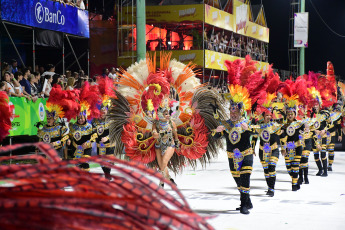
(315, 97)
(266, 107)
(144, 92)
(89, 101)
(6, 113)
(106, 89)
(63, 103)
(328, 87)
(252, 85)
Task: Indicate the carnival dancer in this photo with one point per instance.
(328, 90)
(140, 124)
(164, 130)
(269, 132)
(56, 132)
(236, 130)
(333, 130)
(291, 140)
(101, 125)
(81, 133)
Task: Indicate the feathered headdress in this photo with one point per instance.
(62, 103)
(106, 89)
(89, 101)
(253, 85)
(290, 95)
(6, 113)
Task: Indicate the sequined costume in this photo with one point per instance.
(166, 138)
(82, 134)
(307, 142)
(269, 134)
(333, 130)
(292, 144)
(101, 127)
(240, 154)
(56, 135)
(320, 124)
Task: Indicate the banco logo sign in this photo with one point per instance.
(39, 12)
(44, 14)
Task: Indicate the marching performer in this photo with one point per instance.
(101, 125)
(55, 132)
(292, 130)
(81, 133)
(269, 132)
(236, 130)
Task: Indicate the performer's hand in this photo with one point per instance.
(244, 126)
(322, 133)
(155, 135)
(283, 152)
(84, 145)
(220, 128)
(68, 142)
(340, 138)
(319, 147)
(104, 139)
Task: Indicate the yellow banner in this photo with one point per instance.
(215, 60)
(165, 14)
(248, 28)
(184, 56)
(219, 18)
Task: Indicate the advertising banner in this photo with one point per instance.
(219, 18)
(184, 56)
(301, 30)
(27, 114)
(163, 14)
(46, 14)
(215, 60)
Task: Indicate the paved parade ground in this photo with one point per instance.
(318, 205)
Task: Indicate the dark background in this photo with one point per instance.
(324, 45)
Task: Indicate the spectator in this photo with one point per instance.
(57, 80)
(47, 87)
(5, 68)
(51, 70)
(25, 82)
(41, 70)
(112, 74)
(14, 66)
(38, 82)
(68, 74)
(81, 73)
(80, 4)
(70, 83)
(2, 86)
(34, 90)
(224, 44)
(105, 72)
(18, 87)
(37, 68)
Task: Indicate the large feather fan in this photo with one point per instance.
(6, 113)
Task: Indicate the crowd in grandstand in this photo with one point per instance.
(37, 83)
(236, 46)
(77, 3)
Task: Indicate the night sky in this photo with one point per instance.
(323, 44)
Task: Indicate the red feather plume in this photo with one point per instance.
(6, 113)
(91, 95)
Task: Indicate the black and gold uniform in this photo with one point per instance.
(292, 144)
(101, 127)
(82, 134)
(307, 141)
(320, 140)
(269, 134)
(56, 135)
(333, 130)
(240, 156)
